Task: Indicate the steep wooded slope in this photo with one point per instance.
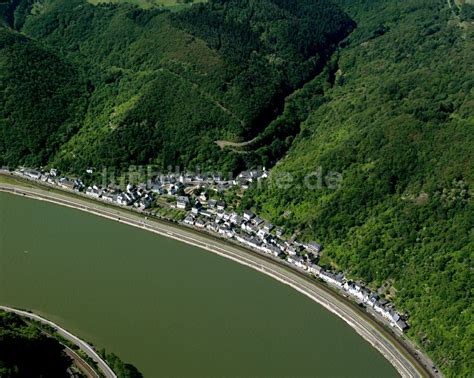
(161, 91)
(396, 120)
(26, 352)
(40, 97)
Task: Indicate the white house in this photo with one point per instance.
(248, 215)
(203, 196)
(32, 174)
(182, 202)
(257, 221)
(314, 247)
(246, 227)
(200, 223)
(314, 269)
(337, 280)
(93, 192)
(297, 261)
(261, 233)
(291, 251)
(124, 199)
(109, 197)
(66, 183)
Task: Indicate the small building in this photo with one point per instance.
(225, 231)
(145, 203)
(334, 279)
(314, 269)
(173, 189)
(32, 174)
(401, 325)
(212, 204)
(372, 300)
(124, 199)
(314, 247)
(205, 213)
(66, 183)
(182, 202)
(220, 205)
(271, 249)
(297, 261)
(394, 316)
(291, 250)
(248, 215)
(157, 188)
(262, 233)
(51, 180)
(268, 227)
(94, 192)
(200, 223)
(257, 221)
(212, 227)
(246, 227)
(203, 196)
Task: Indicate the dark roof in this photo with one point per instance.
(402, 325)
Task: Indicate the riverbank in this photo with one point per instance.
(82, 345)
(375, 334)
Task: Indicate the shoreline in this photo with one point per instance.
(394, 350)
(81, 344)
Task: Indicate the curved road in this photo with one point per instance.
(397, 353)
(86, 348)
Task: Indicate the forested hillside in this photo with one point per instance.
(26, 352)
(40, 98)
(162, 87)
(378, 91)
(396, 119)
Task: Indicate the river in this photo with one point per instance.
(168, 308)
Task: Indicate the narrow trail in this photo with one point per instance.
(225, 143)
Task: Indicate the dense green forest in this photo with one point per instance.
(378, 93)
(26, 352)
(154, 87)
(396, 120)
(40, 98)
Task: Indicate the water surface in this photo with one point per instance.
(168, 308)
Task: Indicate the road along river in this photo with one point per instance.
(373, 333)
(82, 345)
